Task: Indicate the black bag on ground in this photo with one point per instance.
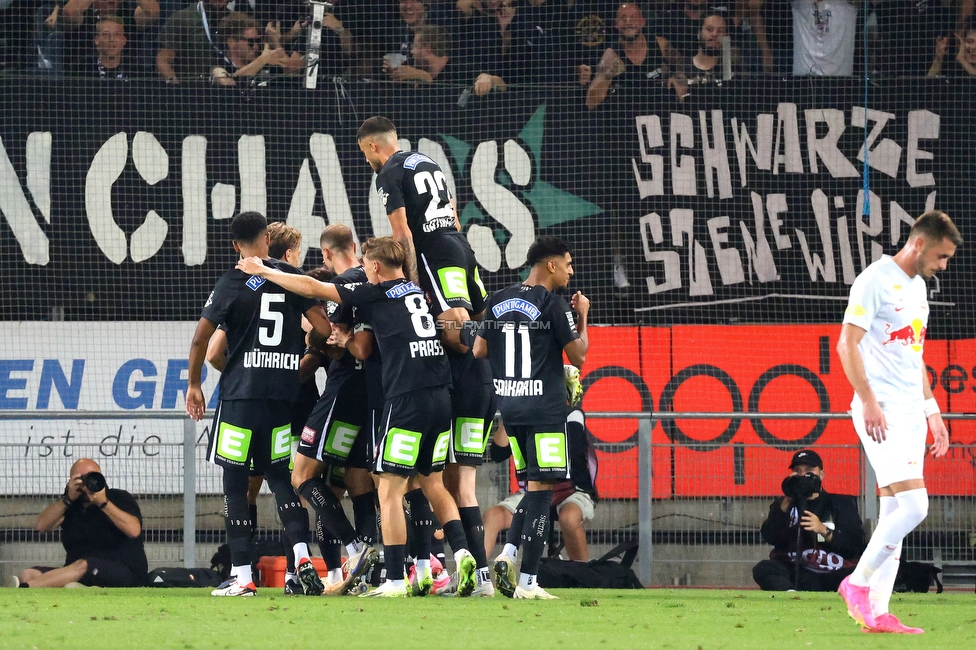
(917, 577)
(603, 573)
(180, 577)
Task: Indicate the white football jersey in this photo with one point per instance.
(893, 310)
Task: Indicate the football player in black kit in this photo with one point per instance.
(415, 427)
(423, 215)
(336, 433)
(265, 342)
(526, 329)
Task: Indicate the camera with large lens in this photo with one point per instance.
(94, 482)
(800, 487)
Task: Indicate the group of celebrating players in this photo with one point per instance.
(420, 360)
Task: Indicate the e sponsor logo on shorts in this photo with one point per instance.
(402, 447)
(342, 436)
(233, 443)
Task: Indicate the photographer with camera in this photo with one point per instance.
(825, 527)
(101, 530)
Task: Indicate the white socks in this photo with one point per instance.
(527, 581)
(911, 509)
(244, 575)
(511, 550)
(301, 552)
(883, 581)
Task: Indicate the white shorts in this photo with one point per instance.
(902, 454)
(580, 498)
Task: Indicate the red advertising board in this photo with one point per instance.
(753, 369)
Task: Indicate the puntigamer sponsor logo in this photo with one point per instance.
(516, 304)
(401, 290)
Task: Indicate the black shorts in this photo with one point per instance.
(540, 452)
(449, 275)
(336, 431)
(473, 413)
(251, 429)
(414, 434)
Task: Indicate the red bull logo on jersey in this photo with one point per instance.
(912, 334)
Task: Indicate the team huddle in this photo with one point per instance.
(420, 359)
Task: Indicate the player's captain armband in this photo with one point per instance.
(855, 310)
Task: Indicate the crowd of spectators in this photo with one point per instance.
(489, 45)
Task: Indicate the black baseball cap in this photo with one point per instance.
(806, 457)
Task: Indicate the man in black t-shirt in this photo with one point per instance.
(101, 532)
(259, 384)
(526, 329)
(423, 215)
(415, 426)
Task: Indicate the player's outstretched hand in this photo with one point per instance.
(940, 436)
(580, 303)
(251, 266)
(195, 404)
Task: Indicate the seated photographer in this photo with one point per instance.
(101, 530)
(831, 536)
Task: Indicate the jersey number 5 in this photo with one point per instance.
(434, 184)
(271, 336)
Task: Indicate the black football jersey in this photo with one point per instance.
(265, 340)
(340, 370)
(413, 181)
(526, 329)
(406, 334)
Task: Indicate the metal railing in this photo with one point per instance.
(645, 503)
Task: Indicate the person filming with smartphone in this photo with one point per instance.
(101, 530)
(826, 528)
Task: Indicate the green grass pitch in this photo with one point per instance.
(97, 619)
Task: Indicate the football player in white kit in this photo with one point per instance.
(880, 348)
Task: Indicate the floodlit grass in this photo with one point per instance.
(190, 618)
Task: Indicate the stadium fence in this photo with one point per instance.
(697, 537)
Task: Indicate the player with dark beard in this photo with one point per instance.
(423, 215)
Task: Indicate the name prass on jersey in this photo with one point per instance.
(426, 349)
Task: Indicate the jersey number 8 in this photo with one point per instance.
(423, 322)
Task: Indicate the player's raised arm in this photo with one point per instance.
(303, 285)
(576, 350)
